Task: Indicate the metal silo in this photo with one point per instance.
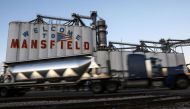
(77, 40)
(180, 59)
(171, 57)
(69, 41)
(86, 40)
(34, 42)
(52, 40)
(43, 42)
(163, 59)
(116, 60)
(12, 42)
(102, 60)
(24, 35)
(61, 43)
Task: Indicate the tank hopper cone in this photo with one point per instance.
(35, 75)
(69, 73)
(85, 76)
(93, 64)
(21, 76)
(51, 74)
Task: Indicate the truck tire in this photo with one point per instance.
(112, 87)
(97, 87)
(4, 92)
(182, 83)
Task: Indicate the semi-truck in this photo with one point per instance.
(58, 53)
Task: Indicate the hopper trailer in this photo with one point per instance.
(58, 53)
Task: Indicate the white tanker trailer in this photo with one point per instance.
(41, 55)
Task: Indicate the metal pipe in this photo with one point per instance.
(81, 16)
(177, 40)
(127, 48)
(120, 43)
(53, 18)
(150, 42)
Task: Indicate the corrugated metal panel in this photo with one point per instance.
(77, 40)
(101, 59)
(171, 59)
(61, 44)
(34, 48)
(52, 39)
(168, 59)
(86, 40)
(69, 42)
(42, 41)
(125, 59)
(149, 55)
(116, 60)
(163, 58)
(24, 40)
(11, 55)
(180, 59)
(116, 63)
(160, 56)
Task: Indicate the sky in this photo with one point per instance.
(127, 20)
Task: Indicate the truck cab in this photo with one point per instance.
(177, 77)
(149, 70)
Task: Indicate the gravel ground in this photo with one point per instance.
(179, 105)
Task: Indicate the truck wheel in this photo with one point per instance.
(97, 88)
(112, 87)
(182, 83)
(4, 92)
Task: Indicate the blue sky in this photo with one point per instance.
(127, 20)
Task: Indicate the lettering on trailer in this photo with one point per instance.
(61, 37)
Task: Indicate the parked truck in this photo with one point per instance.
(65, 53)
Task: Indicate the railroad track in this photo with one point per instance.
(90, 103)
(89, 100)
(88, 95)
